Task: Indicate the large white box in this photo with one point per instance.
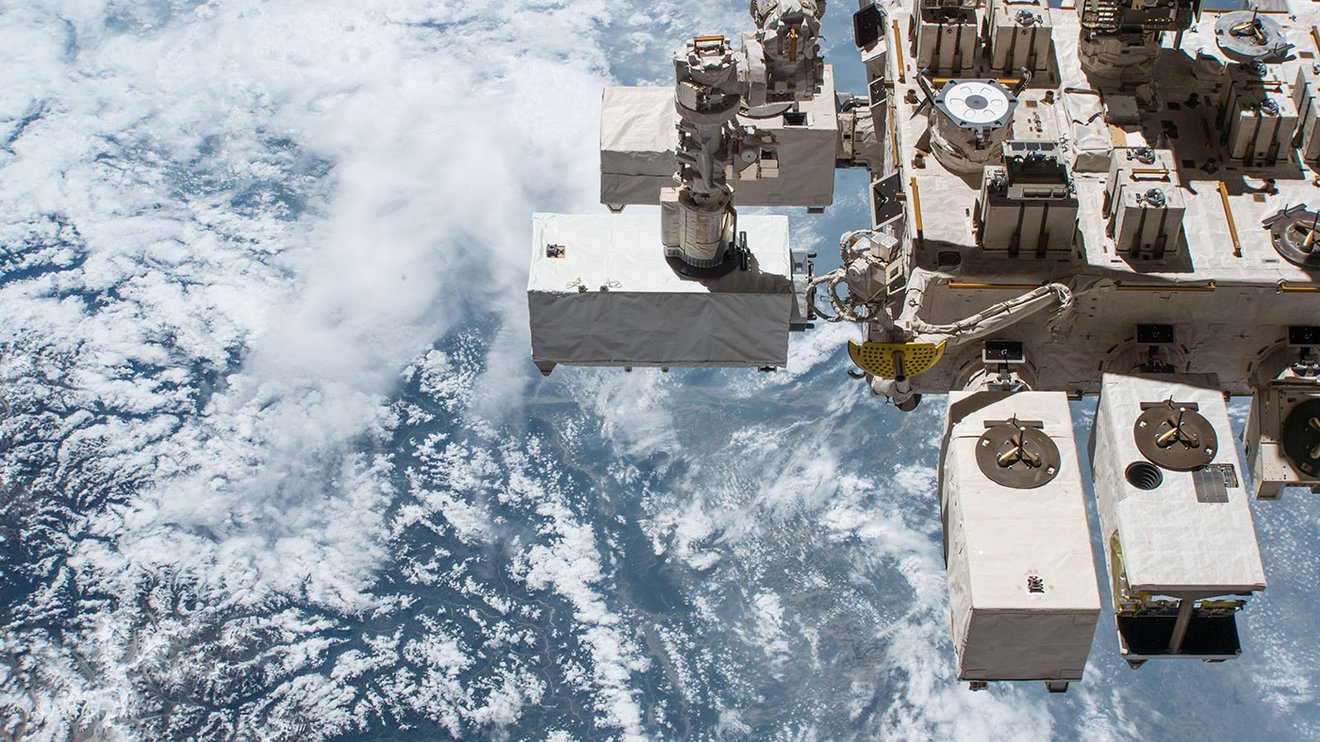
(1172, 541)
(947, 43)
(638, 139)
(1020, 36)
(613, 300)
(1172, 536)
(1145, 205)
(1002, 542)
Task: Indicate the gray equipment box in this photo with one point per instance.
(1174, 516)
(948, 36)
(1280, 440)
(1022, 581)
(1028, 206)
(1020, 37)
(1261, 119)
(1306, 99)
(638, 139)
(1146, 205)
(601, 293)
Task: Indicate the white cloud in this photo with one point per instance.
(253, 216)
(227, 228)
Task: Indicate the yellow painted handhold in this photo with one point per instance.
(1007, 82)
(1291, 288)
(1207, 286)
(878, 359)
(994, 286)
(898, 47)
(916, 206)
(1228, 216)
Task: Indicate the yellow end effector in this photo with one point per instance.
(895, 360)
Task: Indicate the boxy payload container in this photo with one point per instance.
(1022, 582)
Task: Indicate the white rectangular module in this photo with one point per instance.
(638, 139)
(1179, 542)
(1262, 119)
(948, 38)
(1177, 535)
(1145, 203)
(1306, 99)
(601, 293)
(1022, 582)
(1020, 36)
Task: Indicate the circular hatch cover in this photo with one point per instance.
(1176, 437)
(1018, 457)
(976, 104)
(1301, 437)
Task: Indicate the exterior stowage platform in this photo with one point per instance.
(1228, 293)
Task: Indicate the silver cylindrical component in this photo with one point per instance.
(972, 120)
(697, 223)
(704, 231)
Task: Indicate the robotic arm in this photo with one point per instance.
(778, 64)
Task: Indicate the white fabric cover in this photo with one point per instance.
(638, 137)
(1093, 145)
(1172, 543)
(637, 131)
(997, 536)
(1085, 127)
(648, 315)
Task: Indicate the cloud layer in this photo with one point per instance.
(274, 463)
